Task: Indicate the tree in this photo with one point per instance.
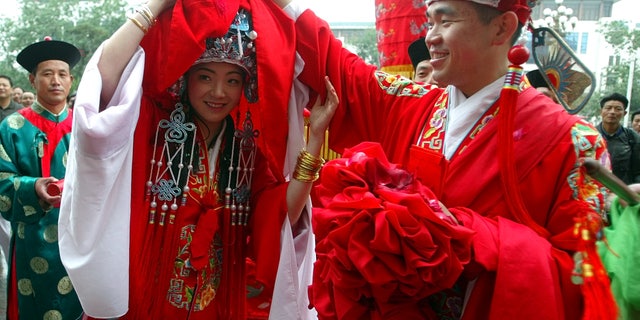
(366, 45)
(84, 24)
(625, 43)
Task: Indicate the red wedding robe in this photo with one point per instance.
(171, 46)
(522, 275)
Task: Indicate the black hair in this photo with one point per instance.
(635, 113)
(615, 97)
(8, 78)
(486, 14)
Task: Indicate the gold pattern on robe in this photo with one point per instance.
(20, 230)
(39, 265)
(51, 233)
(52, 315)
(29, 210)
(15, 121)
(16, 184)
(24, 287)
(5, 203)
(3, 154)
(64, 285)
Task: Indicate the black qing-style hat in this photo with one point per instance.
(31, 56)
(418, 52)
(536, 80)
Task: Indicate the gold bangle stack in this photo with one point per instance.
(138, 24)
(307, 167)
(148, 17)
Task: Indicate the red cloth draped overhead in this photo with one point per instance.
(398, 23)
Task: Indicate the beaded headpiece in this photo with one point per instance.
(236, 47)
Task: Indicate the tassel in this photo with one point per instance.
(589, 272)
(508, 101)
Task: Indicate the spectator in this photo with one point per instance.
(7, 105)
(635, 121)
(35, 142)
(537, 81)
(27, 99)
(420, 58)
(623, 143)
(71, 100)
(17, 93)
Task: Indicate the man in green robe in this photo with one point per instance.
(33, 157)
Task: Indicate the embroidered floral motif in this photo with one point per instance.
(588, 144)
(433, 133)
(400, 86)
(182, 290)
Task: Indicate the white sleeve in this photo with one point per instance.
(294, 9)
(95, 209)
(297, 254)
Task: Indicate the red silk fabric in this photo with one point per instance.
(381, 239)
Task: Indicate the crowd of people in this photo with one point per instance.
(179, 181)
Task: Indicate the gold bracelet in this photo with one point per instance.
(146, 13)
(307, 167)
(304, 177)
(138, 24)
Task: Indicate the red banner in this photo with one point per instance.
(398, 23)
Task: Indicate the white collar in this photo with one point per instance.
(464, 112)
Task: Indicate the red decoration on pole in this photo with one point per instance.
(398, 23)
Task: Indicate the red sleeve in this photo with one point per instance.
(521, 263)
(364, 105)
(270, 210)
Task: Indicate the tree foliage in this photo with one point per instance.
(366, 45)
(625, 42)
(82, 23)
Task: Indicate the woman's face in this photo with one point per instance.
(214, 89)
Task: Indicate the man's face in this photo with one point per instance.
(635, 123)
(52, 82)
(459, 44)
(5, 89)
(17, 93)
(27, 99)
(424, 72)
(612, 112)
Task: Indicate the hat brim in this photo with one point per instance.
(31, 56)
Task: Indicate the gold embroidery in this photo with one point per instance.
(24, 287)
(64, 285)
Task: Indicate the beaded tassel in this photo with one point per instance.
(167, 183)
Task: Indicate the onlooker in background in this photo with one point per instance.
(7, 105)
(34, 144)
(27, 99)
(71, 99)
(635, 121)
(623, 143)
(536, 81)
(421, 60)
(17, 93)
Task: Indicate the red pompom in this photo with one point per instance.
(48, 38)
(518, 54)
(306, 113)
